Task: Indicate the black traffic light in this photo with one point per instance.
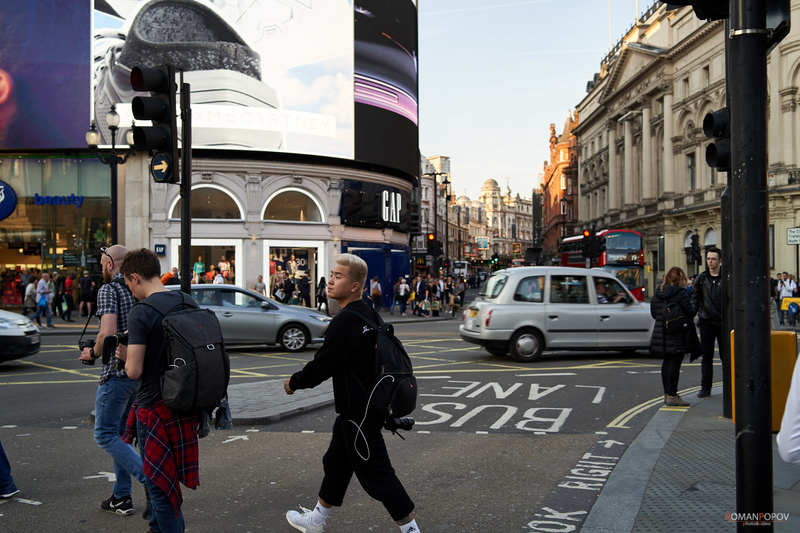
(586, 244)
(716, 126)
(596, 248)
(704, 9)
(695, 250)
(414, 218)
(161, 138)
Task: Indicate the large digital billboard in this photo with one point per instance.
(335, 78)
(44, 74)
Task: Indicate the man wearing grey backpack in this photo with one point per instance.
(357, 445)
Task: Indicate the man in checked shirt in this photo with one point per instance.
(114, 394)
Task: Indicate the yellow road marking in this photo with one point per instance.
(67, 370)
(48, 382)
(674, 408)
(248, 373)
(627, 416)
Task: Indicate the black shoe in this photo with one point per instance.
(704, 394)
(123, 506)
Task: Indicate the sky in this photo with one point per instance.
(494, 74)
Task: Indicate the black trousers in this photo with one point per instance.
(709, 332)
(670, 372)
(376, 474)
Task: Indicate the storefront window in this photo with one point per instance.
(210, 203)
(293, 206)
(62, 217)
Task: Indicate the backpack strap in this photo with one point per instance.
(171, 309)
(376, 326)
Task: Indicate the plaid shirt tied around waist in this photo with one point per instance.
(170, 448)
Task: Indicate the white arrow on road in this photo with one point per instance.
(235, 437)
(609, 443)
(110, 476)
(29, 502)
(643, 372)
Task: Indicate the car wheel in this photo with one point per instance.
(293, 338)
(526, 345)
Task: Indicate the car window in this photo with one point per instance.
(206, 297)
(227, 297)
(609, 291)
(495, 286)
(530, 289)
(245, 300)
(568, 290)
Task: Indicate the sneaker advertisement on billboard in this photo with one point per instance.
(333, 78)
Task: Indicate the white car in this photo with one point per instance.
(524, 311)
(18, 336)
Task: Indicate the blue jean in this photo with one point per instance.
(111, 407)
(47, 313)
(6, 481)
(162, 515)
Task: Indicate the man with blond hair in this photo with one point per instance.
(357, 446)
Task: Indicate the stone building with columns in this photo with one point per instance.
(642, 149)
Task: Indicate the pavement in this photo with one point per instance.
(679, 474)
(62, 327)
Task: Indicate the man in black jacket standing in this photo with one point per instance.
(707, 296)
(357, 446)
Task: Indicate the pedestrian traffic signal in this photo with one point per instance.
(431, 236)
(586, 244)
(160, 107)
(704, 9)
(716, 126)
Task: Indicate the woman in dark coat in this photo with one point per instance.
(322, 295)
(672, 345)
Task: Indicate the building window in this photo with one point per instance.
(293, 205)
(563, 207)
(210, 203)
(692, 171)
(713, 176)
(563, 182)
(686, 86)
(706, 76)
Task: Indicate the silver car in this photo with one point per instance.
(18, 336)
(524, 311)
(249, 318)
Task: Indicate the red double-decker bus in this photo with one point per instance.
(621, 253)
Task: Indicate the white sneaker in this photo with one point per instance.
(302, 521)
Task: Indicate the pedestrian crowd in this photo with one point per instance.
(44, 294)
(135, 399)
(426, 295)
(680, 309)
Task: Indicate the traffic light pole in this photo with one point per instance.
(186, 188)
(748, 85)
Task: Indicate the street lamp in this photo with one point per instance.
(446, 182)
(112, 159)
(435, 202)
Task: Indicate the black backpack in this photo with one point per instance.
(674, 319)
(394, 389)
(197, 367)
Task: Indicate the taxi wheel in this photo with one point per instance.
(526, 345)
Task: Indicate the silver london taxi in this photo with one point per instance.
(524, 311)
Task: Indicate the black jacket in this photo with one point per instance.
(680, 342)
(348, 352)
(707, 297)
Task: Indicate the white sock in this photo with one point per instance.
(411, 527)
(320, 514)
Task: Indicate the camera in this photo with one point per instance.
(86, 343)
(393, 424)
(110, 344)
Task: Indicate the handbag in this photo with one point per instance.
(436, 305)
(43, 300)
(412, 297)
